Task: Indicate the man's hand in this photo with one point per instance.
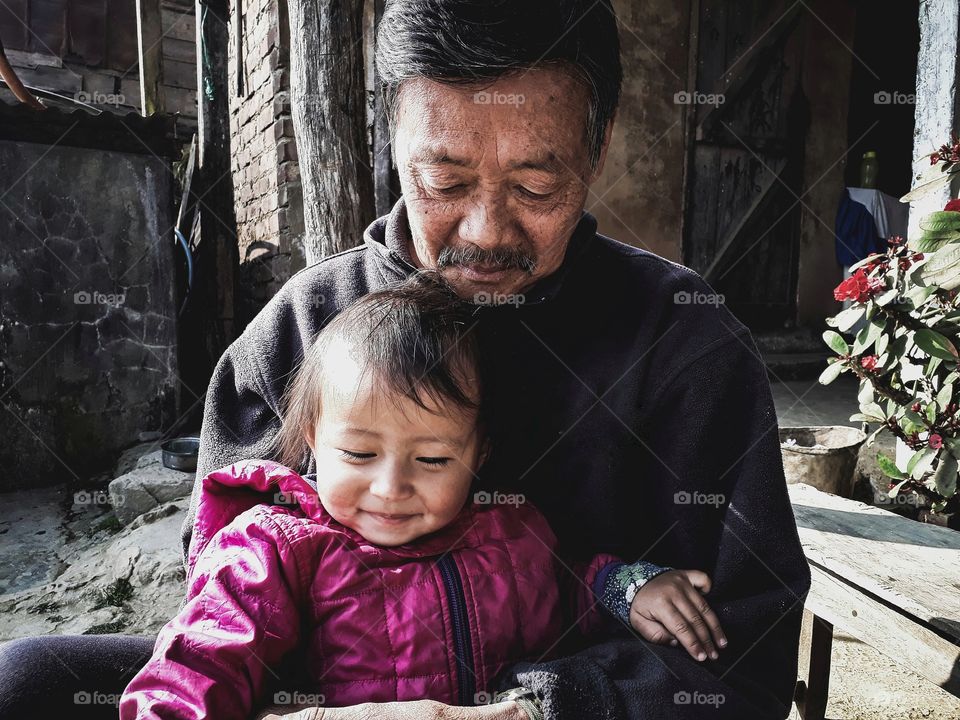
(411, 710)
(670, 609)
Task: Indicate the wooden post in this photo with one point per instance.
(150, 45)
(328, 106)
(386, 183)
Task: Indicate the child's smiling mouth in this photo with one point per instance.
(392, 518)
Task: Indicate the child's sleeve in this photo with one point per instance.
(606, 587)
(241, 617)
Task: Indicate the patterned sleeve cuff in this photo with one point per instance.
(618, 583)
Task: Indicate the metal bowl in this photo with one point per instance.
(181, 453)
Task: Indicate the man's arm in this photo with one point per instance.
(712, 434)
(239, 423)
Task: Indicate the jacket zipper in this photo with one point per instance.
(462, 649)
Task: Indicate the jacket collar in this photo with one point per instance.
(389, 238)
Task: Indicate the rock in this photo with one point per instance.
(131, 582)
(146, 486)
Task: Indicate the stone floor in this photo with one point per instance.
(807, 402)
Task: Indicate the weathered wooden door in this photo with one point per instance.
(747, 123)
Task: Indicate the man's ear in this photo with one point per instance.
(597, 171)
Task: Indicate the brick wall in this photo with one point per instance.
(266, 176)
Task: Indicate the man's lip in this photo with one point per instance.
(480, 272)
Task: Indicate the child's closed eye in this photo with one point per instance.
(434, 460)
(351, 455)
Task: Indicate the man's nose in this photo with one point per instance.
(485, 222)
(391, 482)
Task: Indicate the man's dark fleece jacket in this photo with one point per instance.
(623, 413)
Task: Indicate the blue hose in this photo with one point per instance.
(189, 256)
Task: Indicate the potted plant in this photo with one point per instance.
(905, 355)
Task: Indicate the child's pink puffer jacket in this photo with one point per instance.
(434, 619)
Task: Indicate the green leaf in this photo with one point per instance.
(865, 394)
(846, 319)
(953, 444)
(945, 476)
(887, 297)
(867, 336)
(921, 462)
(889, 468)
(836, 342)
(881, 345)
(917, 295)
(831, 373)
(873, 411)
(931, 412)
(931, 179)
(940, 221)
(932, 365)
(943, 268)
(912, 423)
(895, 490)
(935, 344)
(873, 436)
(945, 396)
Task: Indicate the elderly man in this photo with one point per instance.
(639, 423)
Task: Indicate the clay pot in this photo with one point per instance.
(824, 456)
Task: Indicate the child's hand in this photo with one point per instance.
(671, 609)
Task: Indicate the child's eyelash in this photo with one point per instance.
(434, 460)
(356, 455)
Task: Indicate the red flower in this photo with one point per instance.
(952, 206)
(935, 441)
(869, 362)
(915, 407)
(858, 287)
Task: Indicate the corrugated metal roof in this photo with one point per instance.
(64, 123)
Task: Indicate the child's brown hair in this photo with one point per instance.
(417, 337)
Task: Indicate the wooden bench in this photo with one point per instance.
(888, 581)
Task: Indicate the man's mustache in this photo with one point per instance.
(503, 258)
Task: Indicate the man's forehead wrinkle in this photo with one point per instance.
(528, 153)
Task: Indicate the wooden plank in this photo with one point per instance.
(882, 627)
(14, 28)
(181, 100)
(906, 564)
(777, 23)
(730, 236)
(705, 189)
(184, 51)
(122, 52)
(811, 696)
(87, 31)
(150, 48)
(33, 60)
(179, 74)
(179, 25)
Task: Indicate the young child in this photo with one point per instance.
(380, 573)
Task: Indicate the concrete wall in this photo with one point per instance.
(639, 199)
(827, 65)
(87, 318)
(938, 74)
